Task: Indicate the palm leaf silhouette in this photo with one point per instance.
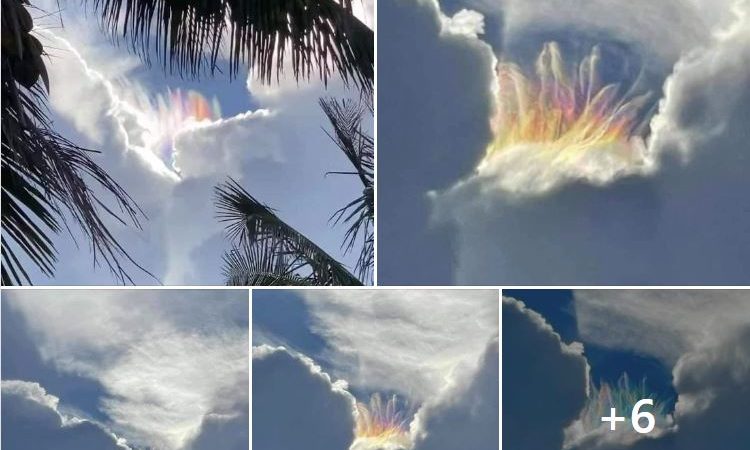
(346, 118)
(46, 179)
(320, 36)
(267, 250)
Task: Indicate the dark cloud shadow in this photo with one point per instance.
(433, 126)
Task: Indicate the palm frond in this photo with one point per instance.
(269, 245)
(47, 179)
(259, 265)
(346, 118)
(321, 36)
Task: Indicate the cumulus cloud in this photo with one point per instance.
(211, 149)
(403, 340)
(31, 419)
(636, 229)
(466, 414)
(296, 405)
(712, 383)
(168, 363)
(464, 23)
(705, 94)
(544, 380)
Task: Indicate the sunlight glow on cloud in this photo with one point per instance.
(368, 336)
(150, 123)
(129, 119)
(164, 116)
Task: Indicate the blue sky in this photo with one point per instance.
(284, 313)
(672, 214)
(280, 154)
(125, 369)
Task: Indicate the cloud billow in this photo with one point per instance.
(31, 419)
(162, 369)
(296, 405)
(537, 409)
(709, 360)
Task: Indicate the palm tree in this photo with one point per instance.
(268, 251)
(47, 180)
(346, 119)
(321, 36)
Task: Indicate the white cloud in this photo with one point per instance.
(405, 340)
(31, 419)
(661, 323)
(703, 93)
(212, 149)
(545, 380)
(296, 405)
(466, 414)
(636, 22)
(712, 384)
(365, 11)
(101, 108)
(201, 148)
(169, 363)
(167, 403)
(465, 22)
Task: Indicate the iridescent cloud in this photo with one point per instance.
(382, 423)
(564, 122)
